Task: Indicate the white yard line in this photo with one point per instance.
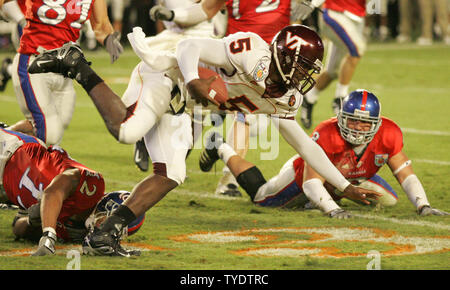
(425, 132)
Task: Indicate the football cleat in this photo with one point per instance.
(3, 125)
(209, 155)
(100, 243)
(228, 186)
(230, 189)
(64, 60)
(306, 114)
(141, 155)
(4, 75)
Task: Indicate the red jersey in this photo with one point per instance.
(22, 6)
(265, 18)
(31, 169)
(387, 142)
(357, 7)
(51, 23)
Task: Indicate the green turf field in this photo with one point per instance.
(192, 228)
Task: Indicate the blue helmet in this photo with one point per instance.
(359, 105)
(107, 205)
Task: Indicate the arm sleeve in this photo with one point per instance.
(311, 152)
(209, 51)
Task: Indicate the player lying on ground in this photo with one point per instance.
(268, 80)
(55, 194)
(358, 142)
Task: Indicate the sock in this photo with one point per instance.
(225, 152)
(120, 218)
(341, 90)
(312, 96)
(87, 77)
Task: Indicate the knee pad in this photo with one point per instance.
(251, 180)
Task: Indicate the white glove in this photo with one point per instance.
(158, 60)
(428, 210)
(339, 213)
(113, 46)
(159, 12)
(305, 9)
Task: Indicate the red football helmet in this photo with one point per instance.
(298, 52)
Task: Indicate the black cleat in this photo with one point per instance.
(65, 60)
(231, 190)
(209, 155)
(336, 105)
(4, 75)
(306, 114)
(3, 125)
(141, 155)
(100, 243)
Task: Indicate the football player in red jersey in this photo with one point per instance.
(342, 22)
(358, 142)
(265, 18)
(283, 72)
(55, 193)
(48, 100)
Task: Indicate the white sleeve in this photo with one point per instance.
(190, 16)
(209, 51)
(311, 152)
(316, 192)
(12, 10)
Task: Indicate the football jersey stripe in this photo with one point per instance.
(30, 97)
(341, 33)
(23, 137)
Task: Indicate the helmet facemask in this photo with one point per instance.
(358, 137)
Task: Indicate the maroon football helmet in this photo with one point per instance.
(298, 52)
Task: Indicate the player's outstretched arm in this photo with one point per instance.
(192, 51)
(314, 155)
(59, 189)
(402, 169)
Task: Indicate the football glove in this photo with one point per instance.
(34, 215)
(305, 9)
(159, 12)
(428, 210)
(339, 213)
(113, 46)
(46, 244)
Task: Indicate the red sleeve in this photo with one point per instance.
(392, 136)
(327, 135)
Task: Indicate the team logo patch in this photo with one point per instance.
(381, 159)
(315, 136)
(261, 71)
(292, 100)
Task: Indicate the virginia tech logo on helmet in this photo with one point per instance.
(294, 41)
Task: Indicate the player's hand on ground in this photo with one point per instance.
(159, 12)
(361, 194)
(199, 90)
(46, 244)
(339, 213)
(428, 210)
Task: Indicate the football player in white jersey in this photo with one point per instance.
(263, 79)
(167, 40)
